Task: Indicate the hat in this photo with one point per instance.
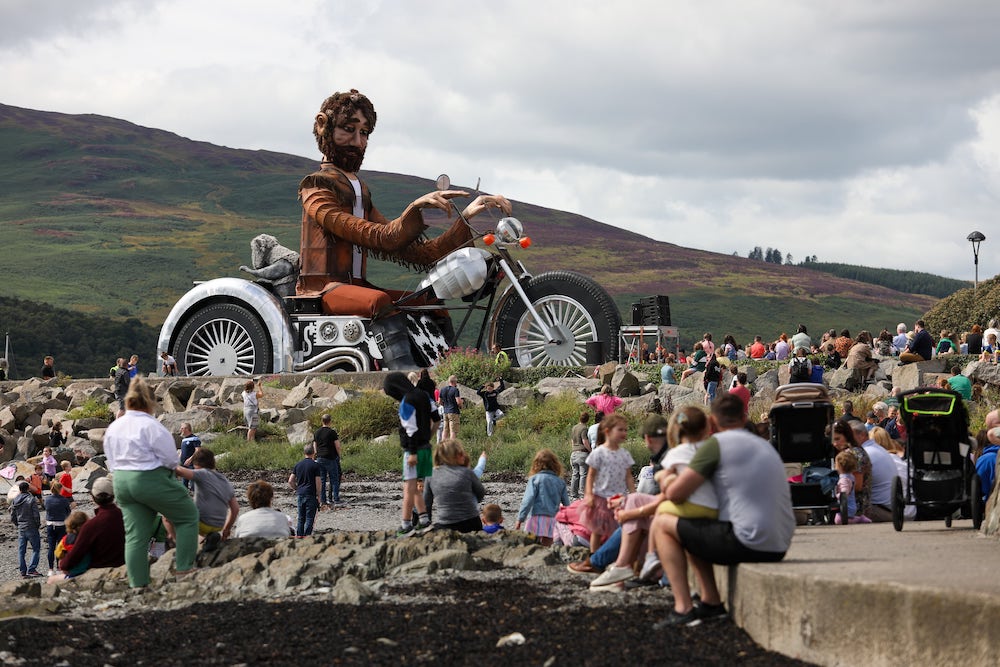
(102, 486)
(654, 426)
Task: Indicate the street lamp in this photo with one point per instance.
(975, 238)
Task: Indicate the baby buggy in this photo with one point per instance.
(801, 420)
(940, 474)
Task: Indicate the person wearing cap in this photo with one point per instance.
(635, 514)
(102, 538)
(143, 457)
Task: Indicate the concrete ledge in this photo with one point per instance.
(867, 595)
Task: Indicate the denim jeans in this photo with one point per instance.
(607, 553)
(711, 389)
(329, 468)
(307, 514)
(24, 538)
(53, 534)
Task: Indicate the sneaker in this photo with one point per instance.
(34, 573)
(705, 611)
(405, 531)
(650, 568)
(51, 572)
(613, 575)
(325, 507)
(582, 567)
(424, 528)
(675, 619)
(614, 587)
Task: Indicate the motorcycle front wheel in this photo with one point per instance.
(574, 305)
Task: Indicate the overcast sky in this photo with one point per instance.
(864, 132)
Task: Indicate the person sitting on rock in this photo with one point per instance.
(262, 520)
(455, 488)
(213, 496)
(698, 360)
(918, 349)
(101, 538)
(945, 344)
(861, 361)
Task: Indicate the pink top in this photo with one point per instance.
(606, 403)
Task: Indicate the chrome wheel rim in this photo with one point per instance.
(220, 347)
(574, 323)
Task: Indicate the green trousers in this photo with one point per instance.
(142, 495)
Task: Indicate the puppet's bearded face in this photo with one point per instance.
(345, 139)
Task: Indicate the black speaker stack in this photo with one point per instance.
(651, 311)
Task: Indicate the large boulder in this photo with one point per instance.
(981, 371)
(299, 433)
(335, 393)
(624, 383)
(642, 405)
(516, 397)
(605, 373)
(911, 376)
(298, 397)
(673, 396)
(581, 387)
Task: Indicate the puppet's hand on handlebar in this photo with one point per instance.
(483, 202)
(439, 199)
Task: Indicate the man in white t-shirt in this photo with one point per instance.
(755, 521)
(884, 470)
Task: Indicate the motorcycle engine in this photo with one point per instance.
(459, 274)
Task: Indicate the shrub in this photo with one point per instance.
(240, 454)
(472, 368)
(368, 416)
(92, 407)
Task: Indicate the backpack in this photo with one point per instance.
(799, 370)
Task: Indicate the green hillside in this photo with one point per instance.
(104, 217)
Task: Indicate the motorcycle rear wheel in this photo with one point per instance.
(577, 306)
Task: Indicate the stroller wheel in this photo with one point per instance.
(843, 509)
(898, 504)
(976, 501)
(947, 521)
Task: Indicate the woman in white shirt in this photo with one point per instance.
(142, 455)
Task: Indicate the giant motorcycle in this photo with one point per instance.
(231, 326)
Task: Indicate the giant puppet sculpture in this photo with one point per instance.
(341, 227)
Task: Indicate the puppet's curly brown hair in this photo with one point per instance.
(345, 103)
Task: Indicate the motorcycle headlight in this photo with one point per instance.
(460, 273)
(509, 230)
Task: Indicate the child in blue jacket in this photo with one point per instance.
(545, 492)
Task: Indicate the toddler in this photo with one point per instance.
(66, 479)
(609, 475)
(545, 492)
(688, 427)
(49, 463)
(847, 465)
(492, 517)
(74, 522)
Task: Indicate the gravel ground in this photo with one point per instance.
(449, 618)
